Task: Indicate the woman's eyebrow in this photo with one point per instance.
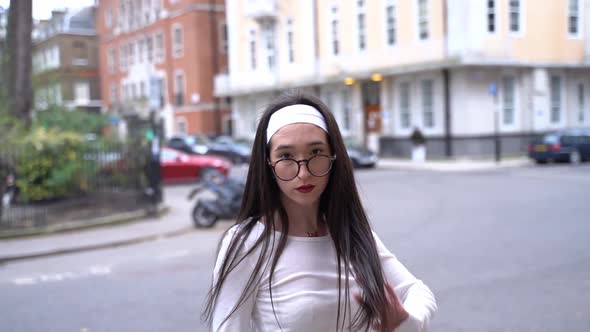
(316, 143)
(283, 147)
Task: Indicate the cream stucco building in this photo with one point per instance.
(460, 70)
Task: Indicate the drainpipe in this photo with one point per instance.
(446, 83)
(214, 64)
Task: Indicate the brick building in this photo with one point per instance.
(65, 61)
(161, 56)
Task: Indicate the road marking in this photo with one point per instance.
(96, 270)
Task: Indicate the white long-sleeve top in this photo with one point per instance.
(305, 289)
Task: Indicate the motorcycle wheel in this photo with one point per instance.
(203, 218)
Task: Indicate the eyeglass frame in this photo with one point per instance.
(298, 162)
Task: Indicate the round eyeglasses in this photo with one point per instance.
(287, 169)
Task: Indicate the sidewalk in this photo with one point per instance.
(177, 220)
(456, 165)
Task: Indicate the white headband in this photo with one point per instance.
(298, 113)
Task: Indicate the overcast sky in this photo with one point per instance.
(42, 8)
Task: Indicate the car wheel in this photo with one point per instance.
(540, 161)
(575, 157)
(203, 218)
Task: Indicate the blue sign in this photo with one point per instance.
(493, 89)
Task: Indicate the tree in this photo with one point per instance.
(19, 85)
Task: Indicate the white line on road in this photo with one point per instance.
(96, 270)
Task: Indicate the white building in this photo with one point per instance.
(387, 66)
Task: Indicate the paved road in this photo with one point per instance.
(503, 250)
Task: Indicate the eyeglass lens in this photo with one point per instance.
(287, 169)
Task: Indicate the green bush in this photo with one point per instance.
(51, 164)
(78, 121)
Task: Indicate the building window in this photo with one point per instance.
(390, 22)
(423, 19)
(347, 107)
(404, 105)
(131, 53)
(149, 44)
(290, 41)
(555, 99)
(334, 31)
(508, 101)
(160, 47)
(573, 20)
(140, 50)
(427, 103)
(80, 53)
(253, 49)
(181, 126)
(179, 91)
(177, 43)
(224, 39)
(111, 59)
(108, 17)
(581, 102)
(82, 92)
(362, 33)
(147, 7)
(491, 16)
(514, 15)
(142, 89)
(123, 57)
(269, 38)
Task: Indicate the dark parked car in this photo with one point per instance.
(571, 145)
(236, 151)
(360, 155)
(179, 166)
(191, 144)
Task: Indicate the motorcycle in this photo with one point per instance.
(224, 205)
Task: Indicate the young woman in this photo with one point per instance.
(302, 255)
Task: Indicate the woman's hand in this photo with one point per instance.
(396, 314)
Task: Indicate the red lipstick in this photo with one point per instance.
(305, 188)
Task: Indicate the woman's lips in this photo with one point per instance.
(305, 189)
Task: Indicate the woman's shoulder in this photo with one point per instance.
(248, 230)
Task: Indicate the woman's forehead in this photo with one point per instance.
(298, 134)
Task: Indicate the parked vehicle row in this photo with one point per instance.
(571, 145)
(236, 151)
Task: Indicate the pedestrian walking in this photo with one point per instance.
(302, 255)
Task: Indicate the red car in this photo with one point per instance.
(179, 166)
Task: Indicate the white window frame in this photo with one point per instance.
(521, 18)
(423, 105)
(494, 12)
(334, 32)
(149, 48)
(131, 53)
(347, 114)
(552, 104)
(270, 47)
(177, 47)
(503, 101)
(419, 20)
(580, 19)
(289, 37)
(140, 49)
(405, 113)
(360, 35)
(393, 4)
(160, 51)
(82, 92)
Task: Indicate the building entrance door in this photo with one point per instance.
(372, 114)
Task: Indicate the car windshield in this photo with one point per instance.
(168, 155)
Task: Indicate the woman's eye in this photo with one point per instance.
(285, 155)
(316, 151)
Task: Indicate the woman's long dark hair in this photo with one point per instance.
(340, 207)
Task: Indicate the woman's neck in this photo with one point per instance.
(303, 220)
